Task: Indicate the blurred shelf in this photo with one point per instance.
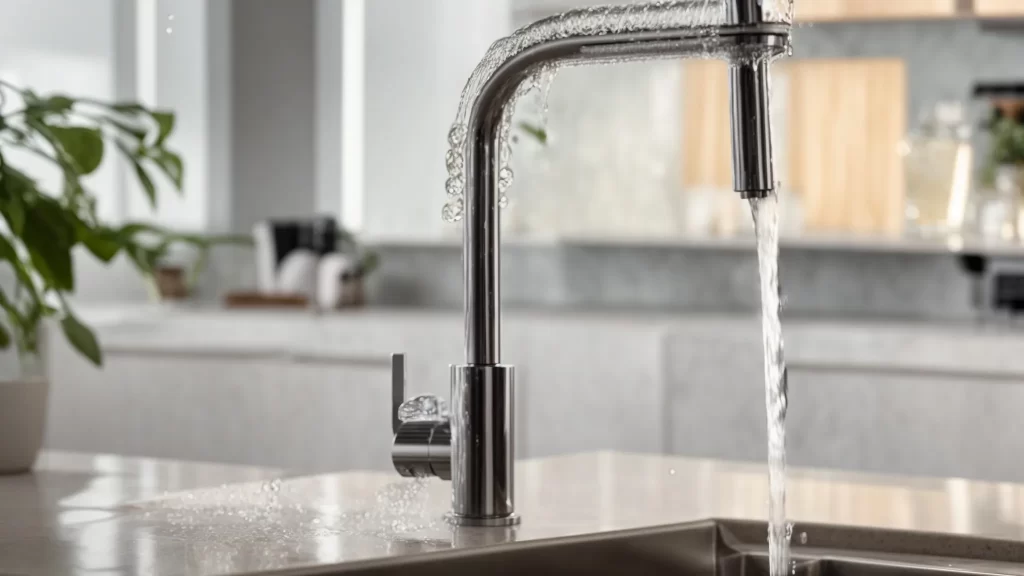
(836, 242)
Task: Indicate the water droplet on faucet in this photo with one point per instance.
(423, 408)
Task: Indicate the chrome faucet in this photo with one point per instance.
(474, 445)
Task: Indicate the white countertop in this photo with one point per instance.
(80, 514)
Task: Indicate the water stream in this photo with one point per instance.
(766, 226)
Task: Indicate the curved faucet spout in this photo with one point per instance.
(749, 47)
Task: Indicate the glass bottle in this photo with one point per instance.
(938, 163)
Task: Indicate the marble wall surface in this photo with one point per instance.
(679, 277)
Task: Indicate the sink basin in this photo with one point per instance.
(711, 548)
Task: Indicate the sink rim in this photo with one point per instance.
(872, 547)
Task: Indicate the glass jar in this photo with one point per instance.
(999, 216)
(938, 163)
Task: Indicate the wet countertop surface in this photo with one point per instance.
(82, 514)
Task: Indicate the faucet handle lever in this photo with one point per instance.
(397, 389)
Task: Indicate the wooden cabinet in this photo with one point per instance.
(838, 124)
(831, 10)
(998, 8)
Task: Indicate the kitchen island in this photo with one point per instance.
(86, 514)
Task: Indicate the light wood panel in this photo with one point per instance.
(825, 10)
(837, 136)
(999, 7)
(845, 121)
(707, 140)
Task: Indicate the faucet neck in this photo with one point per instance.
(745, 12)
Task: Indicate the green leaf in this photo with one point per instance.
(14, 213)
(82, 338)
(135, 131)
(30, 97)
(16, 187)
(5, 337)
(104, 243)
(538, 133)
(83, 145)
(145, 180)
(144, 258)
(165, 124)
(371, 261)
(128, 231)
(7, 252)
(128, 108)
(49, 236)
(170, 164)
(57, 104)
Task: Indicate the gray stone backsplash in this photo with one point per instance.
(815, 281)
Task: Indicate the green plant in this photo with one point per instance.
(43, 228)
(538, 133)
(201, 244)
(369, 260)
(1007, 144)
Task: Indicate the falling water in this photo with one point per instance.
(766, 225)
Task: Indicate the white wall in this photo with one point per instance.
(191, 41)
(418, 57)
(329, 93)
(61, 46)
(274, 110)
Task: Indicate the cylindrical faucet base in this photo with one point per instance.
(483, 449)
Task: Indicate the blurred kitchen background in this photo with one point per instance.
(319, 128)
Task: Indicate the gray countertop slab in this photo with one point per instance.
(81, 514)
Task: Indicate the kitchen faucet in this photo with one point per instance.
(474, 445)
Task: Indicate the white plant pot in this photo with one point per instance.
(22, 421)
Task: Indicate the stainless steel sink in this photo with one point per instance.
(713, 548)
